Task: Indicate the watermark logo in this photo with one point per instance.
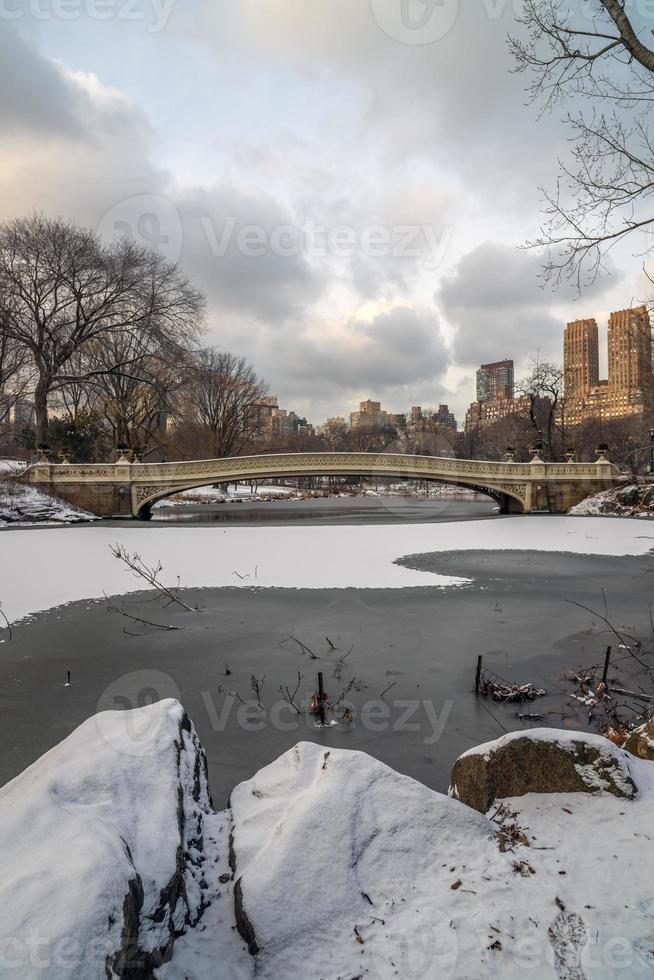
(153, 13)
(415, 21)
(426, 949)
(135, 733)
(149, 220)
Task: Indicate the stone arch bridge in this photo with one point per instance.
(126, 489)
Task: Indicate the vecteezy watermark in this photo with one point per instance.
(420, 951)
(321, 241)
(426, 21)
(153, 13)
(155, 222)
(415, 21)
(134, 733)
(150, 220)
(417, 716)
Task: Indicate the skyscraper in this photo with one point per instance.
(580, 357)
(629, 389)
(495, 381)
(631, 384)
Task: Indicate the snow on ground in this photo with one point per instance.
(343, 868)
(349, 869)
(308, 557)
(12, 466)
(83, 830)
(21, 504)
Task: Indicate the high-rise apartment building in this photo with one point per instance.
(580, 357)
(629, 389)
(495, 381)
(631, 385)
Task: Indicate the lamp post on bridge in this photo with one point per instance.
(651, 451)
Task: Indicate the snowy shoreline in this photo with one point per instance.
(326, 863)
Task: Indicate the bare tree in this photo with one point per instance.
(61, 289)
(542, 390)
(134, 400)
(601, 66)
(221, 394)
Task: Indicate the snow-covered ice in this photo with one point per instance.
(309, 557)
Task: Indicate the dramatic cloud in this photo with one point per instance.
(323, 170)
(498, 308)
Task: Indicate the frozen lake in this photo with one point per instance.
(498, 587)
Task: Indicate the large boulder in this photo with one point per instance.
(101, 848)
(641, 741)
(540, 761)
(339, 862)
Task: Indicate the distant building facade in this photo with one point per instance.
(495, 381)
(445, 418)
(629, 389)
(372, 418)
(481, 415)
(495, 396)
(273, 422)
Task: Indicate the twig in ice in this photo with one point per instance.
(113, 608)
(256, 684)
(387, 689)
(344, 693)
(622, 638)
(7, 623)
(290, 697)
(149, 574)
(303, 646)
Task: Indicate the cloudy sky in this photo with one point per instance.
(347, 180)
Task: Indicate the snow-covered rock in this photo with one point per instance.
(101, 848)
(24, 504)
(633, 500)
(335, 855)
(342, 869)
(542, 760)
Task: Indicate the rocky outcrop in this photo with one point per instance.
(21, 504)
(633, 500)
(641, 741)
(540, 761)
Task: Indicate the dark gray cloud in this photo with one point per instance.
(247, 253)
(36, 95)
(499, 309)
(395, 356)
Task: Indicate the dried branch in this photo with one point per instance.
(148, 574)
(290, 697)
(7, 623)
(113, 608)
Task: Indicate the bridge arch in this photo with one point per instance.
(511, 496)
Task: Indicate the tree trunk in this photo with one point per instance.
(41, 410)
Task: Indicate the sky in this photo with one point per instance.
(349, 182)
